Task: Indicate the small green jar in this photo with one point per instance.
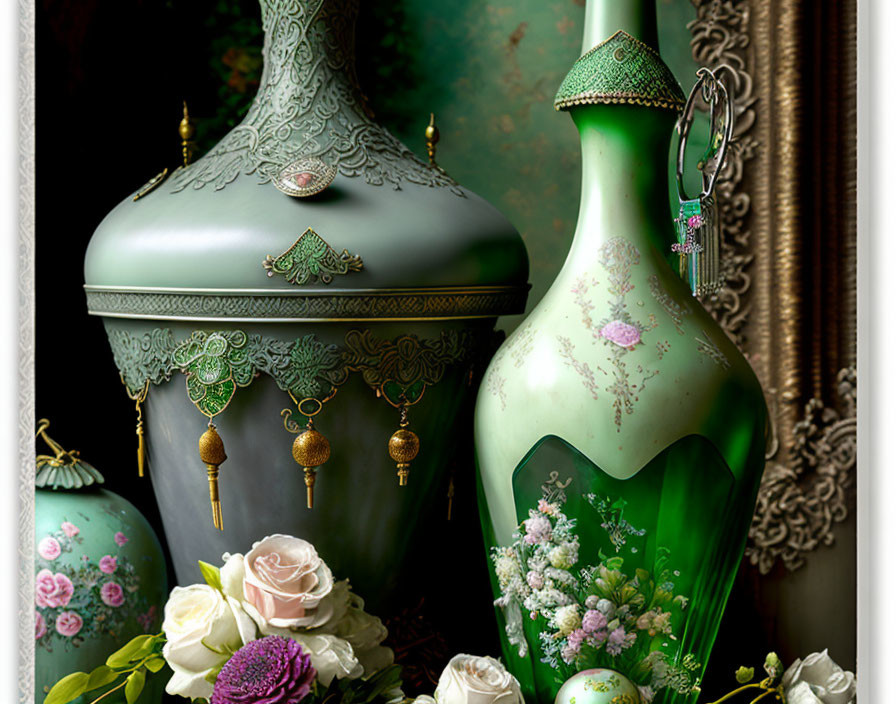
(99, 574)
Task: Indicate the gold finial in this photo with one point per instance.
(310, 450)
(187, 130)
(432, 138)
(211, 452)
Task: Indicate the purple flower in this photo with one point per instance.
(619, 640)
(575, 639)
(271, 670)
(695, 221)
(593, 620)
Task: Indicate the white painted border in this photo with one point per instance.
(17, 345)
(877, 337)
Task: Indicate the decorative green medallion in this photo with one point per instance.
(311, 258)
(215, 364)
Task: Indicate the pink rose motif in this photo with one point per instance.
(146, 620)
(52, 590)
(108, 564)
(70, 529)
(40, 625)
(68, 623)
(112, 594)
(695, 221)
(48, 548)
(120, 539)
(286, 581)
(621, 333)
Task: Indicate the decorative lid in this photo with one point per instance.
(621, 69)
(307, 210)
(63, 470)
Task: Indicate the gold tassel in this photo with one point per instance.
(211, 452)
(403, 447)
(139, 399)
(310, 450)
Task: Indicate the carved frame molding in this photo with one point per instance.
(811, 462)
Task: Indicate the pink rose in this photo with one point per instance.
(108, 564)
(285, 581)
(52, 590)
(48, 548)
(68, 623)
(120, 539)
(112, 594)
(70, 529)
(40, 625)
(621, 333)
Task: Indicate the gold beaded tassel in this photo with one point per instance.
(403, 446)
(211, 452)
(310, 449)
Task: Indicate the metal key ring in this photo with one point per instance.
(713, 92)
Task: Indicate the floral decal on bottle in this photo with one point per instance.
(91, 600)
(603, 615)
(620, 331)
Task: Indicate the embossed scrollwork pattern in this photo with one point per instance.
(309, 104)
(804, 491)
(217, 364)
(802, 498)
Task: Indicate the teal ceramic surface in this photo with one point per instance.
(99, 580)
(383, 286)
(598, 686)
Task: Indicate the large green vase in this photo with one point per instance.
(623, 406)
(99, 574)
(370, 304)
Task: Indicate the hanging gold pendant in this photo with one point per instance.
(139, 399)
(310, 449)
(403, 447)
(211, 452)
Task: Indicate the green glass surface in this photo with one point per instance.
(667, 426)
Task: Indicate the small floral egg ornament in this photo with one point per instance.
(598, 686)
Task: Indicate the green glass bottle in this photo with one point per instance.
(620, 434)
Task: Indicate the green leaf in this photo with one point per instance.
(102, 675)
(744, 674)
(68, 688)
(131, 651)
(642, 575)
(134, 687)
(155, 664)
(211, 575)
(614, 563)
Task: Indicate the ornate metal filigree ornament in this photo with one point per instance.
(304, 177)
(217, 364)
(697, 224)
(310, 259)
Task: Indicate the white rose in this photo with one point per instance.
(363, 631)
(477, 680)
(567, 619)
(198, 622)
(331, 655)
(818, 680)
(563, 556)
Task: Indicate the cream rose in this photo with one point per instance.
(331, 655)
(818, 680)
(202, 628)
(286, 582)
(363, 631)
(477, 680)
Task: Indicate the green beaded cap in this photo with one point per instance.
(621, 69)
